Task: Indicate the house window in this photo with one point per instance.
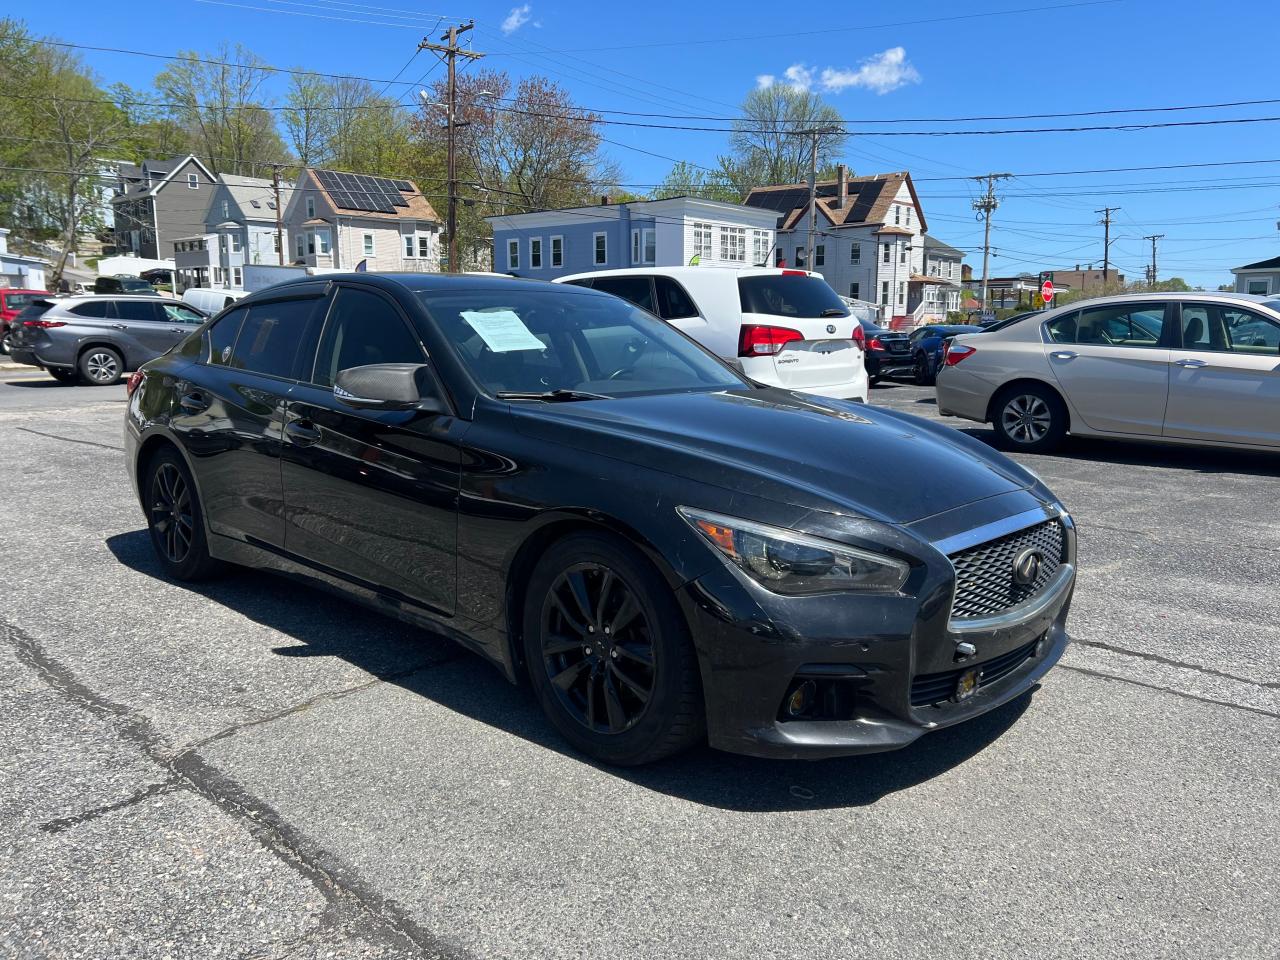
(368, 244)
(226, 210)
(298, 245)
(902, 292)
(275, 242)
(908, 216)
(513, 254)
(902, 253)
(193, 181)
(601, 248)
(424, 246)
(897, 215)
(535, 253)
(760, 244)
(635, 246)
(237, 277)
(1259, 287)
(649, 238)
(557, 251)
(733, 244)
(854, 291)
(408, 246)
(702, 240)
(886, 254)
(643, 246)
(820, 255)
(884, 293)
(236, 243)
(855, 253)
(311, 207)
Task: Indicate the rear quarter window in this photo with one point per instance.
(781, 295)
(221, 337)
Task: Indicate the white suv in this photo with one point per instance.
(786, 328)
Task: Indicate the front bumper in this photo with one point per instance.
(883, 652)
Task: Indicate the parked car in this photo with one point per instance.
(122, 283)
(786, 328)
(98, 338)
(667, 550)
(1183, 368)
(888, 351)
(211, 301)
(158, 275)
(13, 302)
(926, 348)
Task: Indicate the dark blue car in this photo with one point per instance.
(926, 348)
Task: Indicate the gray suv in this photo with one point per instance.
(99, 338)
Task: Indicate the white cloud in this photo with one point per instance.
(884, 72)
(764, 81)
(799, 77)
(517, 18)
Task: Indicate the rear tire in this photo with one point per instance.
(101, 366)
(924, 374)
(609, 654)
(1029, 417)
(174, 518)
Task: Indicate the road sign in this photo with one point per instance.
(1046, 291)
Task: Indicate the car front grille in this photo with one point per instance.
(986, 580)
(930, 688)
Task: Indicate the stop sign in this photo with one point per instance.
(1046, 291)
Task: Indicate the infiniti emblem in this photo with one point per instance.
(1027, 566)
(831, 328)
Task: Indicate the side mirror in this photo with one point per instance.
(388, 386)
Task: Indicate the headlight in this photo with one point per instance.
(794, 563)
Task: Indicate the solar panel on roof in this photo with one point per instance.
(404, 185)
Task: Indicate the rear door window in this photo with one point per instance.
(638, 290)
(271, 336)
(781, 295)
(1121, 325)
(673, 302)
(138, 311)
(176, 313)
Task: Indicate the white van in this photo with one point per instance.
(786, 328)
(211, 301)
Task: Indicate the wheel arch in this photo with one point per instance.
(1005, 389)
(87, 345)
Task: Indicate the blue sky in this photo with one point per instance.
(873, 62)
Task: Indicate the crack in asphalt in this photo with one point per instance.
(335, 881)
(54, 436)
(1168, 662)
(60, 824)
(1170, 690)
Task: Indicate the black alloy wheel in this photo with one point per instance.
(597, 649)
(923, 370)
(6, 342)
(608, 652)
(174, 519)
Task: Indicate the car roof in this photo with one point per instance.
(95, 297)
(415, 282)
(1172, 295)
(685, 271)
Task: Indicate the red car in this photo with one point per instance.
(12, 303)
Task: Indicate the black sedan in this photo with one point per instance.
(570, 487)
(888, 352)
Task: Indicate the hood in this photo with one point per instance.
(807, 451)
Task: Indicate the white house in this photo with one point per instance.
(1262, 277)
(868, 241)
(239, 229)
(671, 232)
(349, 221)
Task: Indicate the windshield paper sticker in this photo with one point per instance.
(502, 331)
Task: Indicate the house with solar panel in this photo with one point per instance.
(239, 229)
(350, 221)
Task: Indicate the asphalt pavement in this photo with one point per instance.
(250, 769)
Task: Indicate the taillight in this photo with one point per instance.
(132, 384)
(795, 273)
(44, 324)
(875, 344)
(859, 337)
(955, 352)
(758, 340)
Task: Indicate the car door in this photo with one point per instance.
(371, 494)
(232, 407)
(1225, 378)
(1112, 361)
(143, 330)
(180, 320)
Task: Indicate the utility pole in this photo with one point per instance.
(1151, 275)
(985, 206)
(813, 133)
(1106, 241)
(449, 52)
(275, 185)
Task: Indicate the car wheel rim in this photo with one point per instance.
(102, 367)
(597, 649)
(1026, 418)
(172, 516)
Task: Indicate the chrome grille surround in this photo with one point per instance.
(985, 581)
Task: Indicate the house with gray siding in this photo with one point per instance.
(671, 232)
(1262, 277)
(157, 202)
(239, 229)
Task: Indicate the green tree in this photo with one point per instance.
(768, 145)
(688, 180)
(309, 119)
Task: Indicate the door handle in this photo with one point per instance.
(1064, 354)
(1191, 362)
(194, 402)
(302, 432)
(120, 326)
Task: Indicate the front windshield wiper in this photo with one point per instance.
(551, 396)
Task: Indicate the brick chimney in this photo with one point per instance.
(842, 188)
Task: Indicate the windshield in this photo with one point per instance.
(790, 295)
(532, 340)
(131, 285)
(16, 301)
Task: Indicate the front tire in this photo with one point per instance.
(924, 374)
(1029, 417)
(175, 519)
(609, 654)
(101, 366)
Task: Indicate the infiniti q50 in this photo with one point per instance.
(666, 551)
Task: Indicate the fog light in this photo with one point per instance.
(801, 698)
